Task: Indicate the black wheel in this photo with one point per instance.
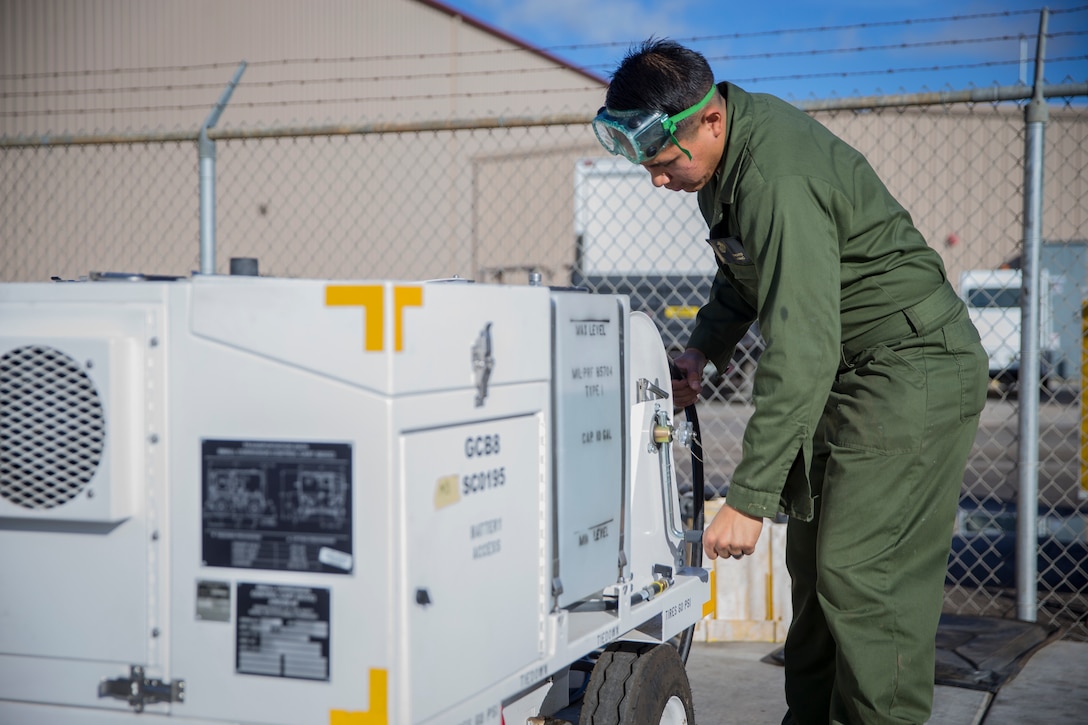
(638, 684)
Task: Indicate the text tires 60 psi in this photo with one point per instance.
(638, 684)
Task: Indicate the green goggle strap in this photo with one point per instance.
(669, 122)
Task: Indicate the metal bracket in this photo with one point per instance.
(140, 691)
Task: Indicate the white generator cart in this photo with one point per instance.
(308, 502)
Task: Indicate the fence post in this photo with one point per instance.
(206, 152)
(1036, 118)
(1082, 492)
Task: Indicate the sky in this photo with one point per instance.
(814, 50)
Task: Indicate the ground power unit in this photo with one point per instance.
(229, 499)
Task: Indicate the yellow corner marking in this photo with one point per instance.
(710, 606)
(378, 714)
(403, 297)
(446, 492)
(369, 297)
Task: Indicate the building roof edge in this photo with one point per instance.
(497, 32)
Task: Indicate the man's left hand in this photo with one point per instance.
(731, 533)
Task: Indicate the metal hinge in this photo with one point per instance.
(140, 691)
(482, 363)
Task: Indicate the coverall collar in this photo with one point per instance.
(738, 131)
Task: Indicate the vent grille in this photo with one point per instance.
(52, 428)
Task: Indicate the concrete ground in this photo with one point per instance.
(731, 685)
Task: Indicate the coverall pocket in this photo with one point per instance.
(879, 403)
(972, 364)
(745, 279)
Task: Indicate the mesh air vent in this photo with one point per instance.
(52, 430)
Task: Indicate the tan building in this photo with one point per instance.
(72, 66)
(381, 204)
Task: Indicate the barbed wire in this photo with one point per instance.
(919, 69)
(891, 46)
(568, 47)
(825, 28)
(301, 102)
(468, 95)
(408, 77)
(172, 87)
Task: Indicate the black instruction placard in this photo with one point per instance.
(277, 505)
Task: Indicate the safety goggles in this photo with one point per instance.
(640, 135)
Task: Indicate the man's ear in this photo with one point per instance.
(714, 118)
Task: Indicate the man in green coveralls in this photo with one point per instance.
(866, 398)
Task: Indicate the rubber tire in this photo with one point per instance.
(631, 684)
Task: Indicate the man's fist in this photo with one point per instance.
(731, 533)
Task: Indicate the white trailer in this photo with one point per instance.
(626, 226)
(650, 244)
(993, 303)
(281, 501)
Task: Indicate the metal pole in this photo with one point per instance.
(206, 151)
(1082, 492)
(1036, 118)
(1023, 60)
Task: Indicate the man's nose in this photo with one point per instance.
(659, 179)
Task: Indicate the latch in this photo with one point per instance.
(647, 391)
(140, 690)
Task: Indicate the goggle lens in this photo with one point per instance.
(616, 141)
(640, 135)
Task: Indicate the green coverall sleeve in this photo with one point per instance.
(790, 228)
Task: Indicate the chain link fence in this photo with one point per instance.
(495, 200)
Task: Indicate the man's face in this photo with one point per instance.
(672, 168)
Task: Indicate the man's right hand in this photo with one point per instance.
(685, 391)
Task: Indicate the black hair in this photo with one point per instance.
(660, 75)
